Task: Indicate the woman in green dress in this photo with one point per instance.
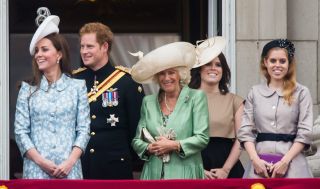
(173, 127)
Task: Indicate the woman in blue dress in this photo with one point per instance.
(52, 112)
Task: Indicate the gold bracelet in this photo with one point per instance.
(178, 147)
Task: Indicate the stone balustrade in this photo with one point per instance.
(314, 159)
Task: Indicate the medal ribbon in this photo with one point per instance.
(107, 83)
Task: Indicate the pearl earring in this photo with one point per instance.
(58, 61)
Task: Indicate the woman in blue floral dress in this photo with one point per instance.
(52, 112)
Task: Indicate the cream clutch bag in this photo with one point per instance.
(147, 136)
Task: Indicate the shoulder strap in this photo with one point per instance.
(106, 84)
(124, 69)
(78, 70)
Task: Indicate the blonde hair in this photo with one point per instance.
(184, 73)
(103, 33)
(289, 79)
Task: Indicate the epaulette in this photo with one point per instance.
(78, 70)
(124, 69)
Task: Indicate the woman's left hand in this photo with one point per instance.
(164, 145)
(63, 169)
(279, 169)
(220, 173)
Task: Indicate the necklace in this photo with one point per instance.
(165, 102)
(164, 119)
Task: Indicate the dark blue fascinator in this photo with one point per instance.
(281, 43)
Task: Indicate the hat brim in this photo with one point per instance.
(178, 54)
(209, 50)
(48, 26)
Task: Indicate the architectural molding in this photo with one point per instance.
(228, 31)
(212, 18)
(314, 159)
(4, 90)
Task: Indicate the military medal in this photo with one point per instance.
(110, 98)
(109, 92)
(115, 101)
(105, 99)
(94, 88)
(112, 120)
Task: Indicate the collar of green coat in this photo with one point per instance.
(183, 98)
(184, 95)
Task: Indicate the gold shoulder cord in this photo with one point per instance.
(78, 70)
(107, 83)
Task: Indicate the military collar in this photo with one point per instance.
(266, 91)
(105, 70)
(60, 84)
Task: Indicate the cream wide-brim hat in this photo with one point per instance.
(209, 50)
(177, 54)
(48, 26)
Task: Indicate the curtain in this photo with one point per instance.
(124, 43)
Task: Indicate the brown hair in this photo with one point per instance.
(223, 83)
(289, 79)
(60, 44)
(103, 33)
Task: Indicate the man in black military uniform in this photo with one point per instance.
(115, 102)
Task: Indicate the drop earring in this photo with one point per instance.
(58, 61)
